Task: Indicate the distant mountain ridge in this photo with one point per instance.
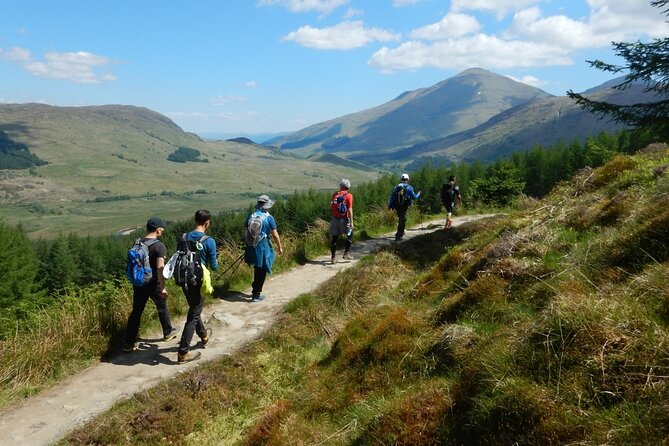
(475, 115)
(449, 107)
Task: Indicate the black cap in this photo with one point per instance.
(154, 223)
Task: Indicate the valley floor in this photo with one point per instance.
(44, 419)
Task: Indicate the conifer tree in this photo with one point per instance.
(647, 63)
(18, 266)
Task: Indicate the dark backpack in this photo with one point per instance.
(254, 234)
(400, 197)
(188, 265)
(339, 205)
(447, 193)
(137, 266)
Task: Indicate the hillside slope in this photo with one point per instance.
(541, 122)
(451, 106)
(108, 169)
(549, 325)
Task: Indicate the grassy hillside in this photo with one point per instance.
(108, 170)
(549, 325)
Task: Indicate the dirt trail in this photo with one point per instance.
(45, 418)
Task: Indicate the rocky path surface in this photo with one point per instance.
(45, 418)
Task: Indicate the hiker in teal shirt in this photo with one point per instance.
(262, 256)
(194, 324)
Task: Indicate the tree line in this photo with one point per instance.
(35, 271)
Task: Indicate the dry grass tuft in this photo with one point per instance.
(351, 290)
(490, 290)
(613, 169)
(414, 419)
(267, 431)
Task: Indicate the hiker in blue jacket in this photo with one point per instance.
(401, 199)
(207, 250)
(259, 251)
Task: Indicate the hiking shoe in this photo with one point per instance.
(129, 348)
(205, 340)
(172, 335)
(333, 260)
(257, 298)
(183, 358)
(347, 256)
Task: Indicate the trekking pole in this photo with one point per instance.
(236, 262)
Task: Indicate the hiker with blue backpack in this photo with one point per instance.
(195, 251)
(401, 199)
(144, 267)
(260, 226)
(341, 208)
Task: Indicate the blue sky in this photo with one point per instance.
(248, 67)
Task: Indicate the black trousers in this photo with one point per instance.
(335, 239)
(140, 296)
(194, 322)
(259, 276)
(401, 220)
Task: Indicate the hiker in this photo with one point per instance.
(259, 251)
(401, 199)
(450, 194)
(206, 250)
(154, 289)
(341, 208)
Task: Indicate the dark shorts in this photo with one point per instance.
(339, 226)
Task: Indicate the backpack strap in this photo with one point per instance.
(150, 242)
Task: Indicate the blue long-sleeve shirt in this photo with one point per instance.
(409, 194)
(208, 249)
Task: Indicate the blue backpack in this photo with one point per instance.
(339, 205)
(138, 267)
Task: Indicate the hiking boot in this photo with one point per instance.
(257, 297)
(333, 260)
(183, 358)
(129, 348)
(348, 256)
(172, 334)
(205, 340)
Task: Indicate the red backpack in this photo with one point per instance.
(338, 204)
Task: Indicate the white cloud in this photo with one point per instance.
(76, 67)
(478, 51)
(15, 54)
(224, 100)
(344, 36)
(531, 39)
(322, 6)
(452, 25)
(251, 84)
(627, 20)
(498, 7)
(529, 80)
(609, 21)
(352, 12)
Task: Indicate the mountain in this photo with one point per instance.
(107, 168)
(454, 105)
(544, 122)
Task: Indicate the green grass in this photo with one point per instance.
(516, 330)
(82, 167)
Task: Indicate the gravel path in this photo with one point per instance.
(45, 418)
